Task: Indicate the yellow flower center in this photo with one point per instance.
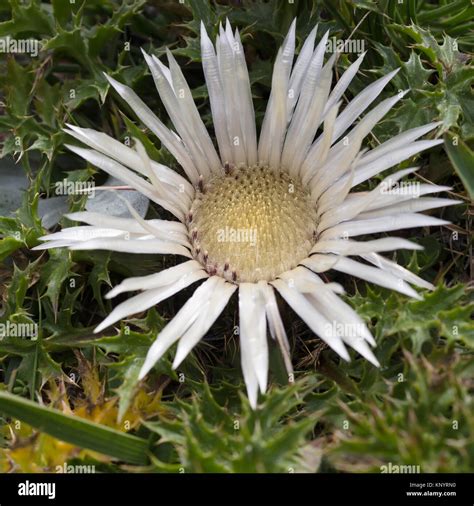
(251, 224)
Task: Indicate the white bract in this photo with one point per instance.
(259, 217)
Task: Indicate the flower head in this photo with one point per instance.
(259, 217)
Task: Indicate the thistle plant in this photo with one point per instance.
(291, 190)
(228, 237)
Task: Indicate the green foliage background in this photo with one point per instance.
(70, 396)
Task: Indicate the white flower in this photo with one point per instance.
(259, 217)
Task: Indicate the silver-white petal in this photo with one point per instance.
(397, 270)
(316, 321)
(117, 170)
(183, 320)
(275, 324)
(253, 335)
(121, 153)
(173, 275)
(210, 310)
(169, 139)
(374, 275)
(149, 298)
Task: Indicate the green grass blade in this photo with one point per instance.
(75, 430)
(444, 10)
(463, 160)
